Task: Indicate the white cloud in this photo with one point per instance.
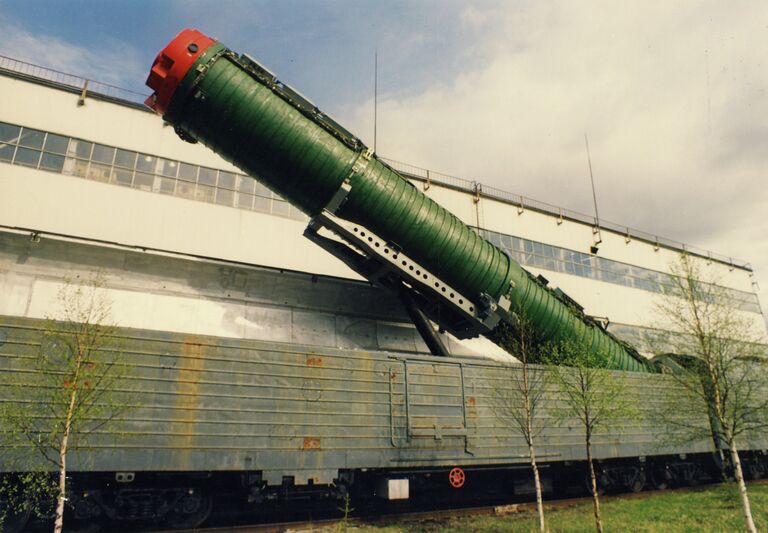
(114, 62)
(673, 98)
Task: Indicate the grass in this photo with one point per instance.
(709, 509)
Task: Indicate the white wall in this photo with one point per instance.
(57, 203)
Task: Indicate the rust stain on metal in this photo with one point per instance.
(471, 407)
(190, 367)
(311, 443)
(314, 361)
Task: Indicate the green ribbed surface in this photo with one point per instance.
(248, 124)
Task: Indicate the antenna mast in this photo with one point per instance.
(375, 95)
(598, 236)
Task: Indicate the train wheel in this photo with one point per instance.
(693, 478)
(190, 511)
(752, 469)
(638, 484)
(600, 481)
(660, 476)
(457, 477)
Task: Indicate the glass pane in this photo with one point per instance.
(143, 181)
(56, 144)
(205, 193)
(125, 158)
(188, 172)
(81, 149)
(123, 176)
(168, 168)
(9, 133)
(207, 176)
(261, 190)
(27, 157)
(226, 180)
(245, 184)
(6, 152)
(167, 185)
(146, 163)
(282, 209)
(99, 172)
(31, 138)
(245, 200)
(262, 204)
(224, 196)
(52, 162)
(103, 154)
(185, 189)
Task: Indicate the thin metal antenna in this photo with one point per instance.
(596, 229)
(375, 95)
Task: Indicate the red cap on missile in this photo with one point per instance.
(172, 64)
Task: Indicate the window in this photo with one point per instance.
(56, 144)
(167, 185)
(225, 196)
(146, 163)
(226, 180)
(103, 154)
(207, 176)
(187, 172)
(143, 181)
(123, 176)
(6, 152)
(52, 162)
(261, 190)
(9, 133)
(205, 193)
(31, 138)
(168, 168)
(125, 159)
(27, 157)
(80, 149)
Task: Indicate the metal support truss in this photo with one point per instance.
(384, 264)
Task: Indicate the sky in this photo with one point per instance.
(672, 95)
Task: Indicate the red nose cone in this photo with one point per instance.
(172, 64)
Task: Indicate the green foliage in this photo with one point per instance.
(347, 509)
(60, 398)
(591, 393)
(26, 493)
(518, 400)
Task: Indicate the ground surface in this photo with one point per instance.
(709, 509)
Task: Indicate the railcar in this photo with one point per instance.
(259, 405)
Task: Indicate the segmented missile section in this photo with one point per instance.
(361, 210)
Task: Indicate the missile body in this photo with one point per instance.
(240, 110)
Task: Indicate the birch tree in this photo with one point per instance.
(518, 401)
(722, 366)
(593, 395)
(68, 391)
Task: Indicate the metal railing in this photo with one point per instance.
(523, 202)
(412, 171)
(70, 80)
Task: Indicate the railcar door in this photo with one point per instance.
(428, 405)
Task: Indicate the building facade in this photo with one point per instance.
(91, 181)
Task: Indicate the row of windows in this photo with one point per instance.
(76, 157)
(554, 258)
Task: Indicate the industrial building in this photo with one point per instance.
(91, 181)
